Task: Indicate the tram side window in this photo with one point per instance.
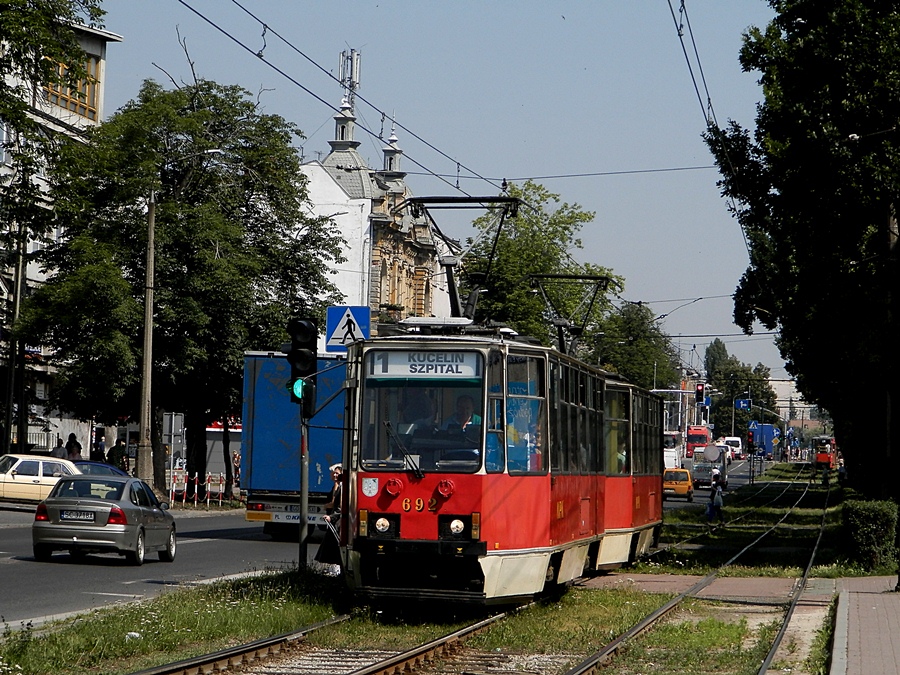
(553, 441)
(525, 411)
(597, 440)
(639, 450)
(618, 439)
(494, 457)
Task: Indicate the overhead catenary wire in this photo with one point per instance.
(294, 48)
(260, 55)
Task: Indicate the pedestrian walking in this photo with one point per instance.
(716, 502)
(98, 452)
(118, 455)
(73, 449)
(59, 451)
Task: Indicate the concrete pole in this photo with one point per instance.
(145, 444)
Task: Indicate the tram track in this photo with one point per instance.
(605, 656)
(291, 653)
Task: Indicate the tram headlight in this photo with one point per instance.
(457, 526)
(382, 525)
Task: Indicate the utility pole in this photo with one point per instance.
(145, 444)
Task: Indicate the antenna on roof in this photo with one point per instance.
(349, 75)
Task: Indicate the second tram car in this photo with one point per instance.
(484, 469)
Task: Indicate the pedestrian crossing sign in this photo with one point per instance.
(344, 325)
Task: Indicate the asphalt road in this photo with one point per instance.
(210, 546)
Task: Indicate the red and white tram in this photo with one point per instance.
(483, 469)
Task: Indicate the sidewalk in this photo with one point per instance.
(867, 620)
(867, 626)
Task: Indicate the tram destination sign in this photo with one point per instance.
(430, 363)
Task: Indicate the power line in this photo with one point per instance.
(582, 175)
(259, 54)
(268, 28)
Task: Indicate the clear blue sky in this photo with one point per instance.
(510, 89)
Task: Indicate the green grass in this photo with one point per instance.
(193, 621)
(749, 511)
(180, 624)
(708, 645)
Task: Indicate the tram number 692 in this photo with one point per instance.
(419, 504)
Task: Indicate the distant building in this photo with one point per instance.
(59, 110)
(392, 253)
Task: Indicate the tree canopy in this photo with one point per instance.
(518, 266)
(537, 241)
(236, 253)
(733, 380)
(815, 190)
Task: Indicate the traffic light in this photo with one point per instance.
(301, 354)
(700, 394)
(750, 440)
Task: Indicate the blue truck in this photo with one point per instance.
(764, 440)
(270, 442)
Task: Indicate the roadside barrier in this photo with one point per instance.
(214, 484)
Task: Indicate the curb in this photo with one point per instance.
(841, 633)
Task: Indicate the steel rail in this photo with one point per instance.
(776, 643)
(678, 544)
(407, 661)
(597, 660)
(241, 654)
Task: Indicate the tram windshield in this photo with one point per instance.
(422, 410)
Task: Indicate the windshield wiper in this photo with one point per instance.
(403, 451)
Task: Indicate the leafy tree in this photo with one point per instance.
(735, 380)
(633, 345)
(714, 360)
(37, 36)
(236, 254)
(537, 241)
(815, 189)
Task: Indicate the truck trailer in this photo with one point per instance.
(270, 442)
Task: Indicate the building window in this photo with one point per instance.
(81, 100)
(4, 139)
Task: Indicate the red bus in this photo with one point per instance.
(484, 470)
(698, 436)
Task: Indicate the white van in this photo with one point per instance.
(673, 450)
(737, 448)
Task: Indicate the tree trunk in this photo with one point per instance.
(226, 456)
(195, 436)
(160, 458)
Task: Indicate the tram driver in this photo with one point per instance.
(464, 415)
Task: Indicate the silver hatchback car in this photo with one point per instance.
(103, 514)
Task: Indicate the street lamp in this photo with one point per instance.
(145, 444)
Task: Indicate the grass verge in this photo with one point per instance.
(178, 625)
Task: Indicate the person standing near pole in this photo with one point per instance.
(329, 552)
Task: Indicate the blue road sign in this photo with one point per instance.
(345, 324)
(753, 426)
(742, 404)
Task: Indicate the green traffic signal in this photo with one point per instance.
(297, 387)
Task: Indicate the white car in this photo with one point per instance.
(736, 445)
(31, 477)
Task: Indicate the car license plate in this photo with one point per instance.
(669, 490)
(87, 516)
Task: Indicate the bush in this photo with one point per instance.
(870, 528)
